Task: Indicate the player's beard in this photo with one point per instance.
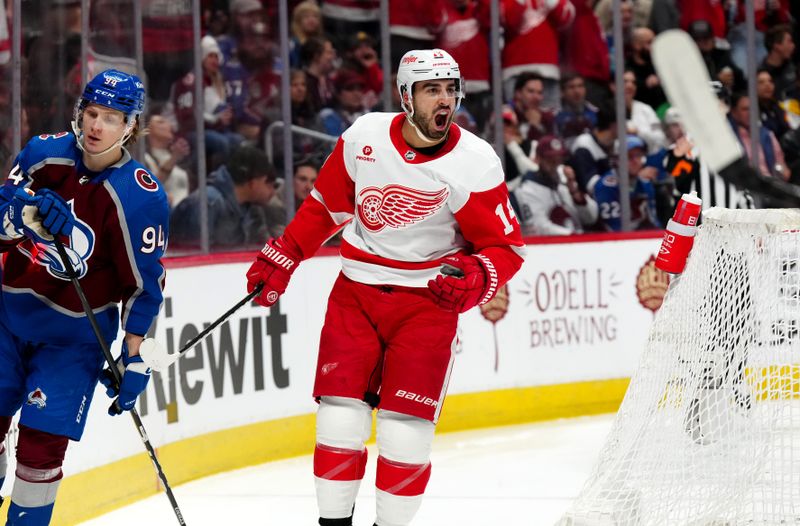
(426, 125)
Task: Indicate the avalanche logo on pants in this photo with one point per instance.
(79, 247)
(37, 398)
(397, 206)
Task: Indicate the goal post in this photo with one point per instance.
(708, 433)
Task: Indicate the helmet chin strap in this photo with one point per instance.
(422, 135)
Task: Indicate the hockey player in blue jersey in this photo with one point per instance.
(111, 215)
(642, 192)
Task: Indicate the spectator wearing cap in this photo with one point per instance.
(532, 41)
(306, 23)
(712, 12)
(780, 49)
(642, 192)
(718, 61)
(245, 43)
(248, 17)
(577, 115)
(341, 18)
(348, 103)
(549, 201)
(239, 204)
(218, 114)
(585, 51)
(642, 119)
(414, 24)
(466, 38)
(361, 56)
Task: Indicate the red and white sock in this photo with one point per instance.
(400, 487)
(337, 474)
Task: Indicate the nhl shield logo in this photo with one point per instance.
(410, 155)
(37, 398)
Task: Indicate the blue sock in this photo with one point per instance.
(37, 516)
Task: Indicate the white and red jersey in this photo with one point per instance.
(405, 211)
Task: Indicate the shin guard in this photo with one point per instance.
(399, 491)
(337, 475)
(404, 448)
(38, 475)
(343, 424)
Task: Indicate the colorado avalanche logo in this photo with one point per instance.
(397, 206)
(79, 248)
(145, 180)
(37, 398)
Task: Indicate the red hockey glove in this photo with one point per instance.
(455, 293)
(273, 267)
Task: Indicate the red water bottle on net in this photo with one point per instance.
(679, 235)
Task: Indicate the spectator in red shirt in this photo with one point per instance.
(585, 52)
(414, 24)
(361, 56)
(712, 11)
(532, 40)
(466, 38)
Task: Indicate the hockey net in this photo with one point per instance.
(708, 433)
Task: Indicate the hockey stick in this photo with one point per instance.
(117, 376)
(158, 359)
(685, 79)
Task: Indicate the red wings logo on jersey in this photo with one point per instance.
(397, 206)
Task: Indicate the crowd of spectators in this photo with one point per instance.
(560, 129)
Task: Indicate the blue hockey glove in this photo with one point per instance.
(38, 216)
(135, 375)
(57, 216)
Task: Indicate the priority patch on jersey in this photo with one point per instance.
(145, 180)
(37, 398)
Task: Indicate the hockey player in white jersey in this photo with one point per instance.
(428, 233)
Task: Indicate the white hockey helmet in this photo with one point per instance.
(426, 64)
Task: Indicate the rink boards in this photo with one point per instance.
(570, 329)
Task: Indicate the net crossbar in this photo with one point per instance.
(708, 433)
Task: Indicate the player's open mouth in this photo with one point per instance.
(440, 119)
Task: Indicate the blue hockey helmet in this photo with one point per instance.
(116, 90)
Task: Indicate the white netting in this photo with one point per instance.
(709, 431)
